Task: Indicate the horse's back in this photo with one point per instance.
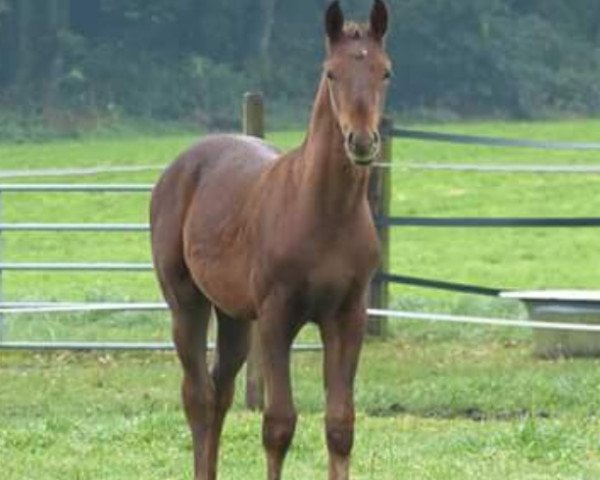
(221, 160)
(216, 155)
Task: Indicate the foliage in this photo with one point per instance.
(481, 58)
(191, 59)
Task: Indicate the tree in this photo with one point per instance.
(173, 58)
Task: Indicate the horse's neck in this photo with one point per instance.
(329, 180)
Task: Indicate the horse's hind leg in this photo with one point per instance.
(230, 355)
(191, 313)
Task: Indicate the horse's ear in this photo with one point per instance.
(334, 21)
(379, 20)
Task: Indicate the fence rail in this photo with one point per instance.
(463, 222)
(74, 188)
(69, 267)
(481, 222)
(89, 346)
(73, 227)
(484, 140)
(77, 172)
(117, 346)
(493, 168)
(21, 308)
(460, 167)
(374, 312)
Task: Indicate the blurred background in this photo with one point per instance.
(70, 64)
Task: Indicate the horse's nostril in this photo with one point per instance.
(351, 138)
(376, 138)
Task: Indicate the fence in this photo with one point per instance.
(41, 227)
(379, 196)
(385, 221)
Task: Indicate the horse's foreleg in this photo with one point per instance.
(279, 418)
(190, 325)
(342, 337)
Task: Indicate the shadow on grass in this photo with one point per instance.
(470, 413)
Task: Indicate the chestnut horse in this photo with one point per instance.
(279, 240)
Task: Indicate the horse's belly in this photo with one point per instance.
(224, 281)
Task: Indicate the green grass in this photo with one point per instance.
(434, 401)
(434, 409)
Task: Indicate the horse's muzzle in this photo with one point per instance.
(363, 147)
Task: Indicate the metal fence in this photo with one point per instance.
(386, 222)
(20, 308)
(16, 308)
(41, 307)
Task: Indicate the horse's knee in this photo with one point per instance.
(198, 399)
(340, 435)
(278, 432)
(223, 376)
(224, 396)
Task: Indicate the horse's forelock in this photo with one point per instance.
(356, 31)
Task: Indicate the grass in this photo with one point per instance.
(434, 409)
(434, 401)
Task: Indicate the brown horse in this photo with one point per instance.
(279, 239)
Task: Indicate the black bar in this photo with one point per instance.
(469, 222)
(492, 141)
(439, 285)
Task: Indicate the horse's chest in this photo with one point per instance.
(323, 288)
(322, 279)
(332, 271)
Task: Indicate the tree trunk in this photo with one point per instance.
(267, 8)
(24, 10)
(7, 43)
(57, 22)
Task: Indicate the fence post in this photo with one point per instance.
(379, 199)
(2, 319)
(254, 124)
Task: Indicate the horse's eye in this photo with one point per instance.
(387, 75)
(330, 75)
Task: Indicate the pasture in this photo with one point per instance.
(434, 401)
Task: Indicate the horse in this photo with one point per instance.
(277, 240)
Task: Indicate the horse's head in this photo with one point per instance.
(358, 70)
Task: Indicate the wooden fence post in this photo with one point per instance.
(2, 319)
(254, 124)
(379, 199)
